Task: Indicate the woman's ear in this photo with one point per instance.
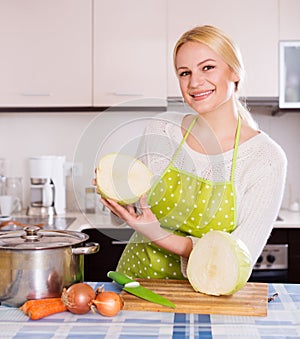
(235, 77)
(236, 80)
(236, 85)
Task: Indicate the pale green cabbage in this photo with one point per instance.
(219, 264)
(122, 178)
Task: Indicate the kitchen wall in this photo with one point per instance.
(284, 128)
(83, 136)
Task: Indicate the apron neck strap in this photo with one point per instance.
(184, 138)
(236, 144)
(235, 151)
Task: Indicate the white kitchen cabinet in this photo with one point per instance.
(130, 49)
(252, 24)
(46, 53)
(289, 20)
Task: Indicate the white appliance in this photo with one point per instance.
(48, 185)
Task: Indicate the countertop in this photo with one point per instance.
(282, 321)
(289, 220)
(106, 220)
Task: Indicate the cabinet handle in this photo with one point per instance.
(119, 242)
(32, 94)
(127, 94)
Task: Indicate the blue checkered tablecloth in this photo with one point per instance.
(283, 321)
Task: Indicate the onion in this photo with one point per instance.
(108, 303)
(78, 298)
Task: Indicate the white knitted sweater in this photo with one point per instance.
(259, 176)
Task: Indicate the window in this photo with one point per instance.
(289, 74)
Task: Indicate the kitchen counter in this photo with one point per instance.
(97, 220)
(106, 220)
(289, 220)
(282, 321)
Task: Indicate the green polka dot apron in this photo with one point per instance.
(187, 205)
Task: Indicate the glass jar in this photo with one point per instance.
(14, 187)
(3, 170)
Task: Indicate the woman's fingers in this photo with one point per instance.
(143, 202)
(94, 182)
(124, 212)
(129, 214)
(148, 214)
(109, 205)
(131, 210)
(121, 210)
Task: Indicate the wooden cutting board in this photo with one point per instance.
(252, 300)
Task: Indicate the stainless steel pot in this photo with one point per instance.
(36, 263)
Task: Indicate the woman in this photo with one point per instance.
(216, 170)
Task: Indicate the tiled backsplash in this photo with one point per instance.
(83, 136)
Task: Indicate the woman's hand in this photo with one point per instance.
(143, 221)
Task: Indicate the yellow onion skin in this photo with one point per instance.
(108, 303)
(78, 298)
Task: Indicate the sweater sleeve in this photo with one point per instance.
(260, 204)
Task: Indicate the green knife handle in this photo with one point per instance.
(120, 278)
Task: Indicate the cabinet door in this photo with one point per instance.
(252, 24)
(289, 14)
(130, 52)
(46, 52)
(112, 243)
(294, 255)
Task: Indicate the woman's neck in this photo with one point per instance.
(214, 132)
(222, 120)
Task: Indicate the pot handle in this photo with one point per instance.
(89, 248)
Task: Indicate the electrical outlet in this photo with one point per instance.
(77, 169)
(68, 168)
(73, 169)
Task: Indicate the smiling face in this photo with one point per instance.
(206, 81)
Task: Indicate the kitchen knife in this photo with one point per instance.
(136, 289)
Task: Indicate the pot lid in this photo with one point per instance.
(33, 237)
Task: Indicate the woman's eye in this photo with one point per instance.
(208, 67)
(184, 73)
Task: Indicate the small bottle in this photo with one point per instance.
(2, 185)
(3, 174)
(90, 200)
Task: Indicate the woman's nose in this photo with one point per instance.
(196, 80)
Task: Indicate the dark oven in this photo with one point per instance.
(272, 265)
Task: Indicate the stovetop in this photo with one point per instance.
(48, 223)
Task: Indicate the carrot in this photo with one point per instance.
(25, 307)
(36, 312)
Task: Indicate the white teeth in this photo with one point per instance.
(202, 94)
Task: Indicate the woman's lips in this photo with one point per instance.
(201, 95)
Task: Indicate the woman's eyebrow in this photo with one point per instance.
(199, 64)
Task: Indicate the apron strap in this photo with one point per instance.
(235, 151)
(184, 138)
(236, 144)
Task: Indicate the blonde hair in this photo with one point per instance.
(223, 45)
